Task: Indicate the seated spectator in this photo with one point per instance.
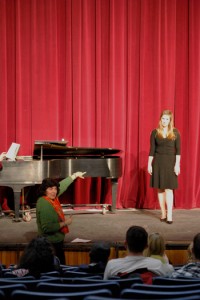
(38, 257)
(191, 269)
(1, 167)
(2, 157)
(99, 255)
(156, 248)
(190, 253)
(5, 193)
(136, 242)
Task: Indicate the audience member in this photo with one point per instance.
(2, 155)
(191, 269)
(190, 253)
(6, 194)
(99, 255)
(136, 242)
(38, 257)
(156, 248)
(1, 270)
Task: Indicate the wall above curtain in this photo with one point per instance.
(98, 73)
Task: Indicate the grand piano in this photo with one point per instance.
(57, 160)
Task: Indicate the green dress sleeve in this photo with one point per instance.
(64, 184)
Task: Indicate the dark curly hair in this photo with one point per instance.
(46, 183)
(99, 252)
(196, 246)
(38, 257)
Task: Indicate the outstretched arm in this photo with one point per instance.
(64, 184)
(78, 174)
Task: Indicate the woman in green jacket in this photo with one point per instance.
(51, 221)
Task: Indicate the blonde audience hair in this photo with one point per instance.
(170, 134)
(156, 245)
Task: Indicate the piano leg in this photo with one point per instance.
(17, 193)
(17, 206)
(114, 194)
(17, 189)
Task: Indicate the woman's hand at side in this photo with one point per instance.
(68, 220)
(177, 169)
(149, 168)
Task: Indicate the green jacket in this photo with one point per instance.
(47, 218)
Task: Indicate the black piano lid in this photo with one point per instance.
(56, 148)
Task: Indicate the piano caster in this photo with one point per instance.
(16, 220)
(1, 214)
(104, 209)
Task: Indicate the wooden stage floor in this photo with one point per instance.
(92, 225)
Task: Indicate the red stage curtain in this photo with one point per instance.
(98, 73)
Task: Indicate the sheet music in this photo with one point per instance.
(12, 151)
(78, 240)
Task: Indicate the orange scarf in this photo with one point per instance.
(57, 207)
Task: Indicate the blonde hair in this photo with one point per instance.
(156, 245)
(170, 134)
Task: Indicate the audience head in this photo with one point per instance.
(46, 183)
(196, 246)
(156, 245)
(99, 252)
(190, 252)
(38, 257)
(136, 239)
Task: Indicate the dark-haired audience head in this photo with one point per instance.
(136, 239)
(46, 183)
(196, 246)
(38, 257)
(99, 252)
